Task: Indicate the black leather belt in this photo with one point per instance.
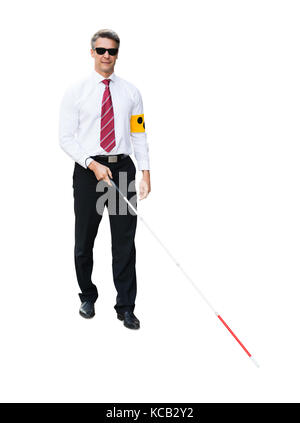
(110, 158)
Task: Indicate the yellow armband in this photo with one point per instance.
(137, 123)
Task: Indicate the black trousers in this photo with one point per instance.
(123, 227)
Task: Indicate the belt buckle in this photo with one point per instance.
(112, 159)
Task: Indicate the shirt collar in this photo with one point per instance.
(99, 78)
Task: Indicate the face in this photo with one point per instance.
(104, 63)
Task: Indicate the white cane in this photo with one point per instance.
(186, 275)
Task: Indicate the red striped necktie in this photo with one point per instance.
(107, 137)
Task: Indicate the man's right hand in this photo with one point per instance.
(101, 171)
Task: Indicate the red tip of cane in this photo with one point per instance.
(235, 337)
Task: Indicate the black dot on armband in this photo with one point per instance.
(144, 125)
(140, 120)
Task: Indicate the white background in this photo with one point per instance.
(220, 85)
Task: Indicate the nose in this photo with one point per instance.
(106, 54)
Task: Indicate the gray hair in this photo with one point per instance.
(105, 33)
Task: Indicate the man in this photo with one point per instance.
(99, 118)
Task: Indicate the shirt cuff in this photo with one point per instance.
(88, 161)
(143, 165)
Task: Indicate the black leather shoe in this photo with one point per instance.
(87, 310)
(130, 320)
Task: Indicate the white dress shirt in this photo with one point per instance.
(80, 120)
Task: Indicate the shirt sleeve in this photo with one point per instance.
(68, 126)
(138, 133)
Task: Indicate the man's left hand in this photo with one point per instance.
(145, 185)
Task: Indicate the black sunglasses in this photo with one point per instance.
(102, 50)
